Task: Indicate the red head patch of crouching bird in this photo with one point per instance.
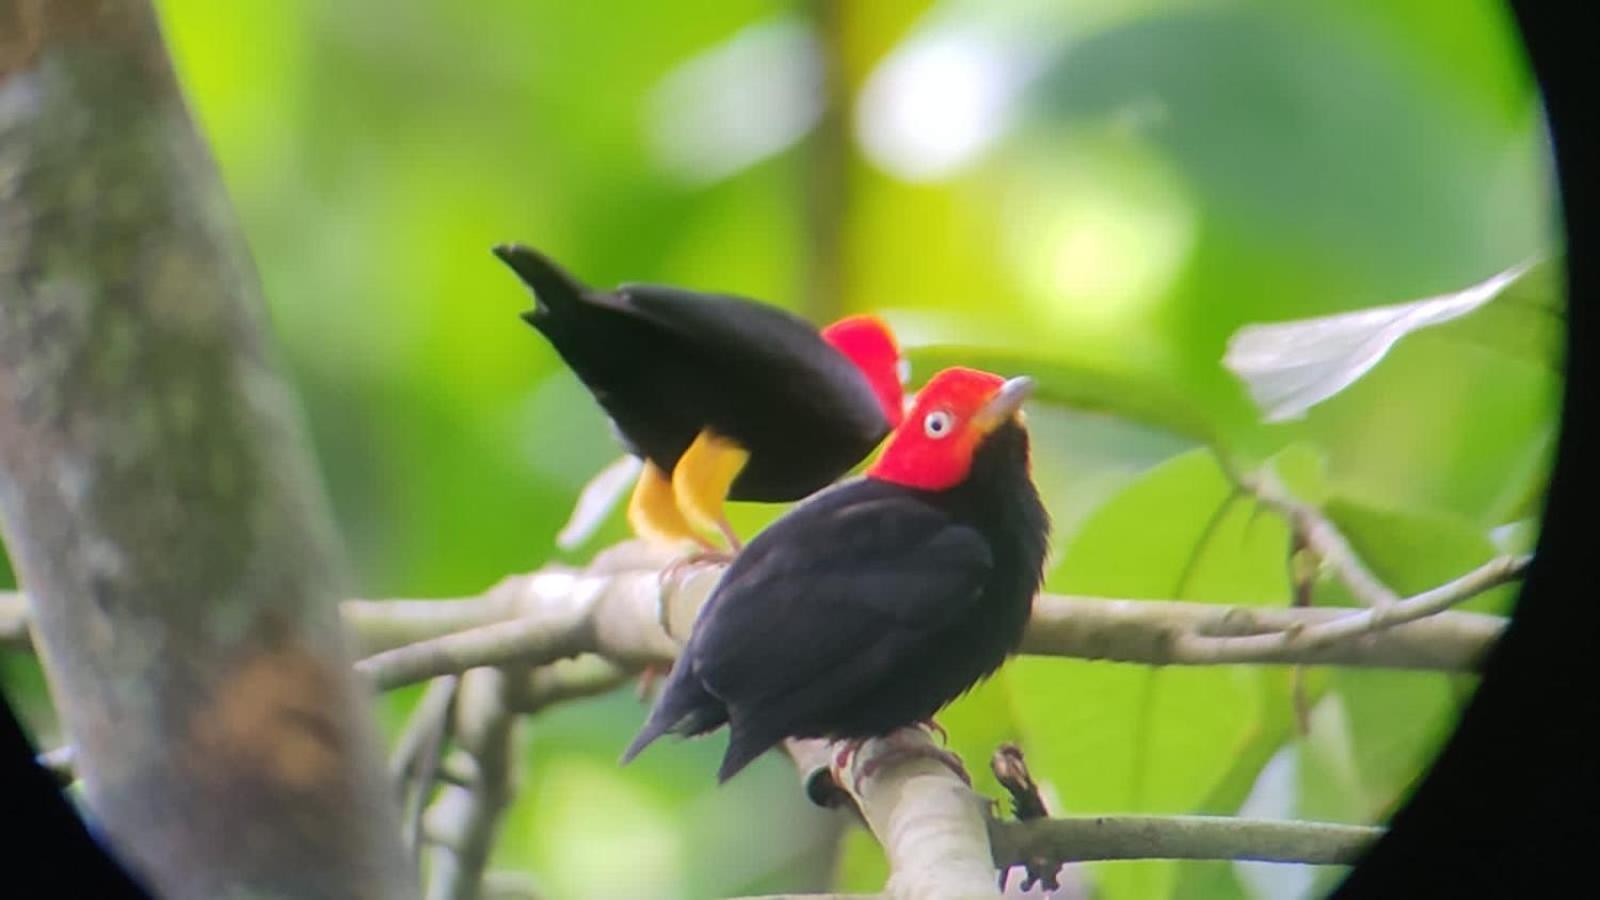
(876, 602)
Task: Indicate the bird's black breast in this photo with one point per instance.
(666, 364)
(1000, 502)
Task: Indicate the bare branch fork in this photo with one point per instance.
(940, 838)
(574, 632)
(616, 616)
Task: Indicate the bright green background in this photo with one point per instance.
(1171, 171)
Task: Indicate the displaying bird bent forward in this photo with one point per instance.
(721, 397)
(878, 601)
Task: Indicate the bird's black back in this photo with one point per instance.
(666, 363)
(867, 607)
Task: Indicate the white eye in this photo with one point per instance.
(903, 368)
(937, 424)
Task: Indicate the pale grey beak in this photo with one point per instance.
(1003, 405)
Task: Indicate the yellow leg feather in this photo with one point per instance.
(653, 511)
(701, 479)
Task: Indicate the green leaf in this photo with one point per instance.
(1274, 727)
(1397, 721)
(1329, 787)
(1211, 879)
(1528, 320)
(1105, 737)
(1414, 551)
(1179, 532)
(1527, 481)
(1389, 174)
(1081, 385)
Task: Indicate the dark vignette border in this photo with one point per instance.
(1507, 809)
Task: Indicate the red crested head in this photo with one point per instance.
(867, 341)
(933, 448)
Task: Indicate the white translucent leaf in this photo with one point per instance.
(597, 499)
(1290, 367)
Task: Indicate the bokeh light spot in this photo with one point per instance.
(1098, 230)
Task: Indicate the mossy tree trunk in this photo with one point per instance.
(156, 491)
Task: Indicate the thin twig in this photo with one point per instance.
(414, 763)
(1349, 629)
(1302, 568)
(1322, 538)
(408, 747)
(461, 824)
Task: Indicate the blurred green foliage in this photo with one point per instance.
(1099, 192)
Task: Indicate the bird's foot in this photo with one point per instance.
(935, 728)
(901, 745)
(676, 569)
(841, 759)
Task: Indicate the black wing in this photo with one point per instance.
(726, 322)
(824, 604)
(766, 378)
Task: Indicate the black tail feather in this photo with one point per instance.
(743, 748)
(554, 289)
(684, 708)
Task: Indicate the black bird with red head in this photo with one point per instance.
(874, 603)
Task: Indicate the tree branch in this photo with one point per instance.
(535, 619)
(931, 824)
(1093, 838)
(611, 610)
(570, 679)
